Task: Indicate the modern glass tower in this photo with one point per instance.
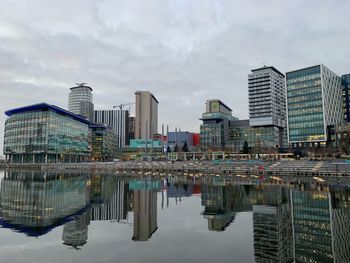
(80, 101)
(314, 105)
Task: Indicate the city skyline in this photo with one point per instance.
(184, 58)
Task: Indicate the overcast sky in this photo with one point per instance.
(184, 51)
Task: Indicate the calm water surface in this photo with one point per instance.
(77, 218)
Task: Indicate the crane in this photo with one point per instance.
(120, 106)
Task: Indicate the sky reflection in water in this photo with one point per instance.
(109, 218)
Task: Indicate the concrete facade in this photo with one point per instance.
(146, 111)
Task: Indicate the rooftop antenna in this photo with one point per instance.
(81, 84)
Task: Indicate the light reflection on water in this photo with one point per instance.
(60, 217)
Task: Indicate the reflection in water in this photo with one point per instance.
(145, 214)
(34, 205)
(300, 223)
(75, 233)
(218, 206)
(272, 223)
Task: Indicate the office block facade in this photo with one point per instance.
(314, 105)
(146, 115)
(214, 132)
(180, 138)
(131, 128)
(260, 138)
(80, 101)
(118, 120)
(104, 143)
(267, 101)
(45, 133)
(346, 96)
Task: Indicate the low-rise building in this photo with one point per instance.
(259, 139)
(104, 143)
(179, 138)
(44, 133)
(143, 144)
(343, 137)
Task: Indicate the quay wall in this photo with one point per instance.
(258, 168)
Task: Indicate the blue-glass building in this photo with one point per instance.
(314, 105)
(180, 138)
(44, 133)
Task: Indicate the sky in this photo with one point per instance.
(183, 51)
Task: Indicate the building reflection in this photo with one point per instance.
(272, 225)
(145, 209)
(321, 225)
(75, 233)
(218, 206)
(109, 199)
(298, 223)
(309, 223)
(34, 203)
(341, 225)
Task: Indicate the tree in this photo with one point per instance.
(176, 148)
(185, 147)
(245, 147)
(168, 150)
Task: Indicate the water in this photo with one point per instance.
(60, 217)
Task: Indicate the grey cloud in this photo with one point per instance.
(184, 51)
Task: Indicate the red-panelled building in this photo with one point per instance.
(196, 139)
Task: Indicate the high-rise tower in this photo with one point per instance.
(80, 101)
(146, 115)
(267, 97)
(314, 99)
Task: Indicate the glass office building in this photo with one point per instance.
(214, 132)
(266, 138)
(314, 104)
(44, 133)
(104, 143)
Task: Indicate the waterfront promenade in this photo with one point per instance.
(250, 167)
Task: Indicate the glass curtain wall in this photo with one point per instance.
(45, 136)
(305, 106)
